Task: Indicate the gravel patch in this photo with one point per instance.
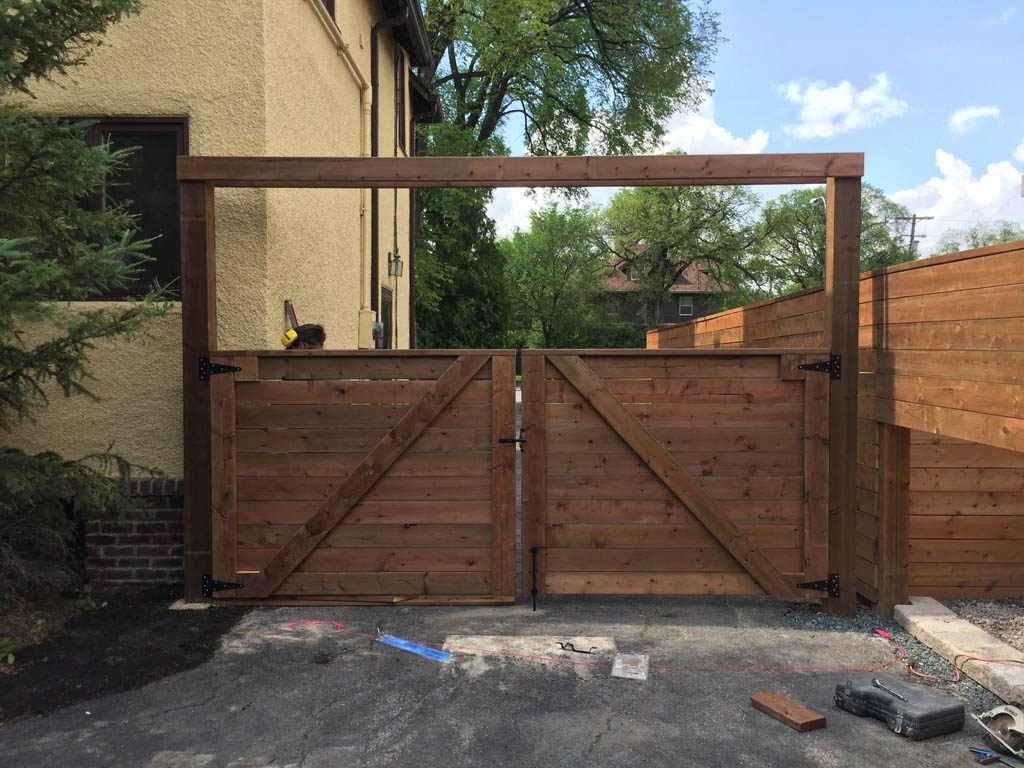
(976, 698)
(1003, 619)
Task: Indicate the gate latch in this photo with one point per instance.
(829, 585)
(207, 369)
(833, 366)
(211, 585)
(520, 440)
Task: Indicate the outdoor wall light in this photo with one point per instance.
(395, 265)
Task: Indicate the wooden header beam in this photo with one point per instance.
(607, 171)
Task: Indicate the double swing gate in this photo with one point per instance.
(380, 476)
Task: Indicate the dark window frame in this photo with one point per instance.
(136, 124)
(679, 305)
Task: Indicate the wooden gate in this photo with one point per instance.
(364, 476)
(674, 472)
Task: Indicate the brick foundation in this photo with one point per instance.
(144, 550)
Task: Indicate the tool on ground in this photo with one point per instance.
(1004, 729)
(574, 649)
(796, 716)
(879, 684)
(988, 757)
(906, 709)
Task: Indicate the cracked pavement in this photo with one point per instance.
(311, 696)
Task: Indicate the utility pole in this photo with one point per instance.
(913, 228)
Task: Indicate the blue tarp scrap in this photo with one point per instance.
(411, 647)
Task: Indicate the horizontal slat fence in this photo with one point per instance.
(941, 356)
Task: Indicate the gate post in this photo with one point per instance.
(842, 296)
(199, 337)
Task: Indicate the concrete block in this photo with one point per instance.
(948, 635)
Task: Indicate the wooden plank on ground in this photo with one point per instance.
(668, 471)
(796, 716)
(377, 462)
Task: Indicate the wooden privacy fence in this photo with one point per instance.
(941, 429)
(674, 472)
(364, 476)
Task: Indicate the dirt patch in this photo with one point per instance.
(130, 641)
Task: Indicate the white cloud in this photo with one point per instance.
(965, 118)
(697, 133)
(832, 110)
(1018, 153)
(957, 197)
(1008, 14)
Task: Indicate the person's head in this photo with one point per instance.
(306, 336)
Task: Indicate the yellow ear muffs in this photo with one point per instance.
(289, 337)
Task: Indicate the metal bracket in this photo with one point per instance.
(211, 585)
(513, 440)
(833, 366)
(829, 585)
(208, 369)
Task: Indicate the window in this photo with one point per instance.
(686, 306)
(149, 185)
(400, 121)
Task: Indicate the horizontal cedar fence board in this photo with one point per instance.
(340, 464)
(617, 512)
(728, 415)
(1004, 333)
(388, 488)
(401, 513)
(330, 392)
(1003, 431)
(682, 390)
(589, 536)
(997, 527)
(964, 574)
(969, 365)
(357, 367)
(412, 172)
(569, 487)
(964, 455)
(733, 463)
(654, 583)
(965, 503)
(966, 479)
(667, 560)
(978, 396)
(372, 535)
(594, 437)
(966, 551)
(378, 559)
(348, 440)
(367, 416)
(426, 583)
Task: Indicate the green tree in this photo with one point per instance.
(576, 75)
(55, 248)
(791, 239)
(461, 296)
(979, 235)
(555, 272)
(657, 233)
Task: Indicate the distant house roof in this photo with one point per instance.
(694, 279)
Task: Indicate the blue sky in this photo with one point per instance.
(932, 93)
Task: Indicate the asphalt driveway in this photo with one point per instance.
(310, 695)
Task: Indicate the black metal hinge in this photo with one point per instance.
(211, 585)
(829, 585)
(833, 366)
(208, 369)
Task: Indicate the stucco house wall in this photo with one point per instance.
(253, 77)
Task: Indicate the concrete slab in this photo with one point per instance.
(310, 695)
(950, 636)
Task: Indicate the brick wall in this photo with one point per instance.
(145, 549)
